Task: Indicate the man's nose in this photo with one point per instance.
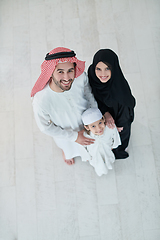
(66, 76)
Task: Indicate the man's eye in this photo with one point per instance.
(60, 72)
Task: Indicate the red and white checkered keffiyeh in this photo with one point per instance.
(48, 67)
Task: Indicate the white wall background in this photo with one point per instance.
(41, 198)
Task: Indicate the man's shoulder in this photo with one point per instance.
(81, 80)
(42, 96)
(82, 77)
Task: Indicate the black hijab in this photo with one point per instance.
(116, 89)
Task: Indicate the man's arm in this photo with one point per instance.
(46, 126)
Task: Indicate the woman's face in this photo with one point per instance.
(103, 72)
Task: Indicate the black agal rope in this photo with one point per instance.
(60, 55)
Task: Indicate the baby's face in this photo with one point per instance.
(97, 127)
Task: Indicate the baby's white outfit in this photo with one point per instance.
(100, 151)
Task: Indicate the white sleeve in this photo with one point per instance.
(46, 126)
(88, 94)
(116, 138)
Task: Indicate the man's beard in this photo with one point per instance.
(62, 87)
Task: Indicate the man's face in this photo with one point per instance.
(63, 76)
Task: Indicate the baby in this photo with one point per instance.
(106, 139)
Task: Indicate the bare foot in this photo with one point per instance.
(68, 161)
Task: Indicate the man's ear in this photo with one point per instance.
(86, 127)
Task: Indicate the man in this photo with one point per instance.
(60, 95)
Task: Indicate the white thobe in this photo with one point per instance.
(102, 156)
(58, 114)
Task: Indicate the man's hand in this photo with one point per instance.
(109, 121)
(81, 139)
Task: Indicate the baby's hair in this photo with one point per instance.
(87, 131)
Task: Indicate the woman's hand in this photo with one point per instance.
(109, 121)
(81, 139)
(120, 129)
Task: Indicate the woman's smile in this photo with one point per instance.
(104, 78)
(103, 72)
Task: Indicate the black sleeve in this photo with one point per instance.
(102, 107)
(124, 115)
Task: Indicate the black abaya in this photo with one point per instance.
(114, 96)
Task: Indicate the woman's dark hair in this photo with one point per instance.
(108, 64)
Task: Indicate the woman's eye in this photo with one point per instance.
(98, 69)
(107, 68)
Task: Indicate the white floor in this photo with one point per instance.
(41, 198)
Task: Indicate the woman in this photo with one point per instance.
(113, 94)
